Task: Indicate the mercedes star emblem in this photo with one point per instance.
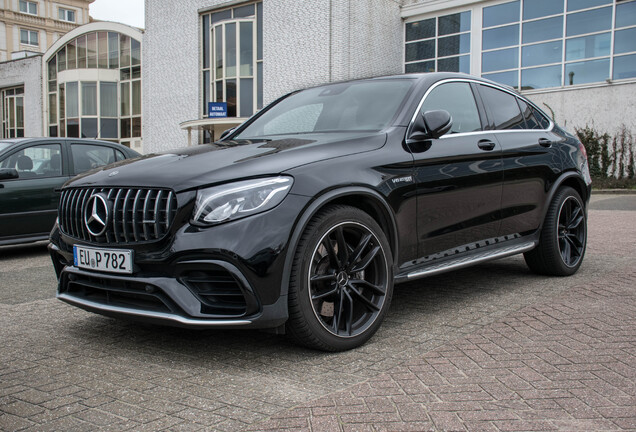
(96, 215)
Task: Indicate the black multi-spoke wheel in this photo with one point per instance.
(341, 282)
(563, 236)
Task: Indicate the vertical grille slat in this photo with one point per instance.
(137, 214)
(157, 202)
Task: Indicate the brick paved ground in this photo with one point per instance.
(489, 348)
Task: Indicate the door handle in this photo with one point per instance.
(486, 145)
(544, 142)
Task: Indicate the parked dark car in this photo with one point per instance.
(32, 172)
(303, 218)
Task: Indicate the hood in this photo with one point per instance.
(207, 164)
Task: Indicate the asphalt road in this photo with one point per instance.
(65, 369)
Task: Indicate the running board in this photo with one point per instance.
(469, 260)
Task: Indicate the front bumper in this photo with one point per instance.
(227, 276)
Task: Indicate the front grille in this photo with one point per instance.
(136, 214)
(220, 293)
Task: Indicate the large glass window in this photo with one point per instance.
(531, 44)
(232, 60)
(439, 44)
(13, 112)
(96, 109)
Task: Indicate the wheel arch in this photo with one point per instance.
(367, 200)
(573, 180)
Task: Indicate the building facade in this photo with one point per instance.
(92, 84)
(32, 26)
(575, 58)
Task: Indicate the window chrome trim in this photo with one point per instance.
(476, 81)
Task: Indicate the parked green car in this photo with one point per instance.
(32, 171)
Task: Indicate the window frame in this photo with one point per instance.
(28, 5)
(481, 107)
(30, 33)
(66, 12)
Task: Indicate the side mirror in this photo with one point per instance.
(8, 173)
(226, 133)
(431, 125)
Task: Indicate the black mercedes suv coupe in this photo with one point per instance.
(302, 219)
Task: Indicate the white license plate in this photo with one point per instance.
(107, 260)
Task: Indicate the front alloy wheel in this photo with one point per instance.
(341, 282)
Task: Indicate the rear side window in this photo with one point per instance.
(528, 115)
(456, 98)
(502, 108)
(543, 120)
(87, 156)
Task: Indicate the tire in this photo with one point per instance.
(563, 236)
(338, 296)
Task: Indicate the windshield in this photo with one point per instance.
(344, 107)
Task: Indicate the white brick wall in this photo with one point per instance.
(26, 72)
(305, 43)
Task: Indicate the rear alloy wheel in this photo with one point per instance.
(342, 281)
(563, 236)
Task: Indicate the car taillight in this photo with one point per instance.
(582, 148)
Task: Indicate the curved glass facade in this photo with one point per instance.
(94, 88)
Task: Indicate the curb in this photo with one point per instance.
(613, 191)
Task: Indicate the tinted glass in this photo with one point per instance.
(510, 78)
(545, 53)
(589, 21)
(625, 67)
(89, 128)
(588, 46)
(455, 23)
(545, 29)
(454, 64)
(586, 72)
(501, 14)
(500, 37)
(626, 14)
(452, 45)
(86, 156)
(584, 4)
(542, 77)
(420, 50)
(531, 122)
(543, 120)
(456, 98)
(500, 60)
(502, 107)
(350, 106)
(540, 8)
(625, 41)
(420, 29)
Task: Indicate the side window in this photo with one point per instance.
(88, 156)
(119, 156)
(38, 161)
(531, 121)
(456, 98)
(543, 120)
(503, 108)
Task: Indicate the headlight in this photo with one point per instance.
(240, 199)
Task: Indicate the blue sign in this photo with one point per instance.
(217, 109)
